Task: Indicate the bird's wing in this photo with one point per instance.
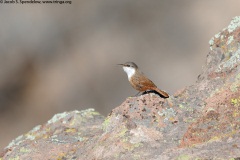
(144, 83)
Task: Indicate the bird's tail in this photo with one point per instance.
(162, 93)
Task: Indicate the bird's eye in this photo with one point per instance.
(128, 65)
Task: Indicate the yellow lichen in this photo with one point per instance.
(61, 156)
(181, 106)
(70, 130)
(234, 101)
(184, 157)
(214, 139)
(105, 124)
(15, 158)
(122, 133)
(236, 114)
(24, 150)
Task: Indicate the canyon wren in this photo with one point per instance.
(139, 81)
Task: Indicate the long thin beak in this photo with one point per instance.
(121, 64)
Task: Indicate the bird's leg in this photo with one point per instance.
(145, 92)
(137, 94)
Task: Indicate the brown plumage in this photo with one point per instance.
(139, 81)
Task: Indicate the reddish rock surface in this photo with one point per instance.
(200, 121)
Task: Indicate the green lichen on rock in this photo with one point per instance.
(89, 113)
(57, 117)
(235, 23)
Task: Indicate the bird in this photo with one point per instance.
(139, 81)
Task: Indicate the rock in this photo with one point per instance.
(200, 121)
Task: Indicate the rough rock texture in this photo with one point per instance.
(200, 121)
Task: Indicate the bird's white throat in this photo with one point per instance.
(130, 71)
